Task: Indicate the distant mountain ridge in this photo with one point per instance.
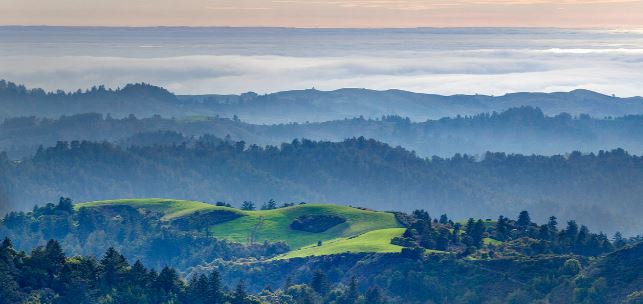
(312, 105)
(523, 130)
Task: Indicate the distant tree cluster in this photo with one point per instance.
(503, 237)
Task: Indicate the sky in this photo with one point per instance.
(327, 13)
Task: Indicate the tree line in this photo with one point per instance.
(47, 275)
(503, 237)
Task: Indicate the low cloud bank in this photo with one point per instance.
(482, 72)
(443, 61)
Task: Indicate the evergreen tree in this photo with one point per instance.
(65, 204)
(618, 240)
(240, 293)
(543, 232)
(319, 283)
(421, 214)
(197, 292)
(54, 260)
(552, 224)
(138, 275)
(442, 241)
(9, 292)
(248, 205)
(478, 233)
(168, 281)
(502, 228)
(269, 205)
(455, 236)
(583, 241)
(571, 232)
(352, 294)
(113, 268)
(468, 229)
(215, 291)
(524, 219)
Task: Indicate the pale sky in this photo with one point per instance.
(326, 13)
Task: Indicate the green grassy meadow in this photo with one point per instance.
(273, 225)
(170, 208)
(372, 241)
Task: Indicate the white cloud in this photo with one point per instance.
(435, 61)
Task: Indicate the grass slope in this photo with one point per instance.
(268, 225)
(274, 225)
(372, 241)
(170, 208)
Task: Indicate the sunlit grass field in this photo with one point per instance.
(170, 208)
(274, 225)
(267, 225)
(372, 241)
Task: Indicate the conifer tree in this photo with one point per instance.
(240, 293)
(524, 219)
(319, 283)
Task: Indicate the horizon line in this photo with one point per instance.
(117, 88)
(311, 27)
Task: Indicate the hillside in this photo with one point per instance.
(264, 225)
(429, 258)
(614, 278)
(372, 241)
(601, 189)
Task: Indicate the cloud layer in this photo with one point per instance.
(492, 61)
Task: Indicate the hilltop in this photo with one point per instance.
(170, 208)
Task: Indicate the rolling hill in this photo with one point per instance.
(374, 229)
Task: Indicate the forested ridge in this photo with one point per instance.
(601, 189)
(145, 100)
(524, 130)
(126, 255)
(48, 275)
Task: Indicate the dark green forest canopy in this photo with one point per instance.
(601, 189)
(48, 275)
